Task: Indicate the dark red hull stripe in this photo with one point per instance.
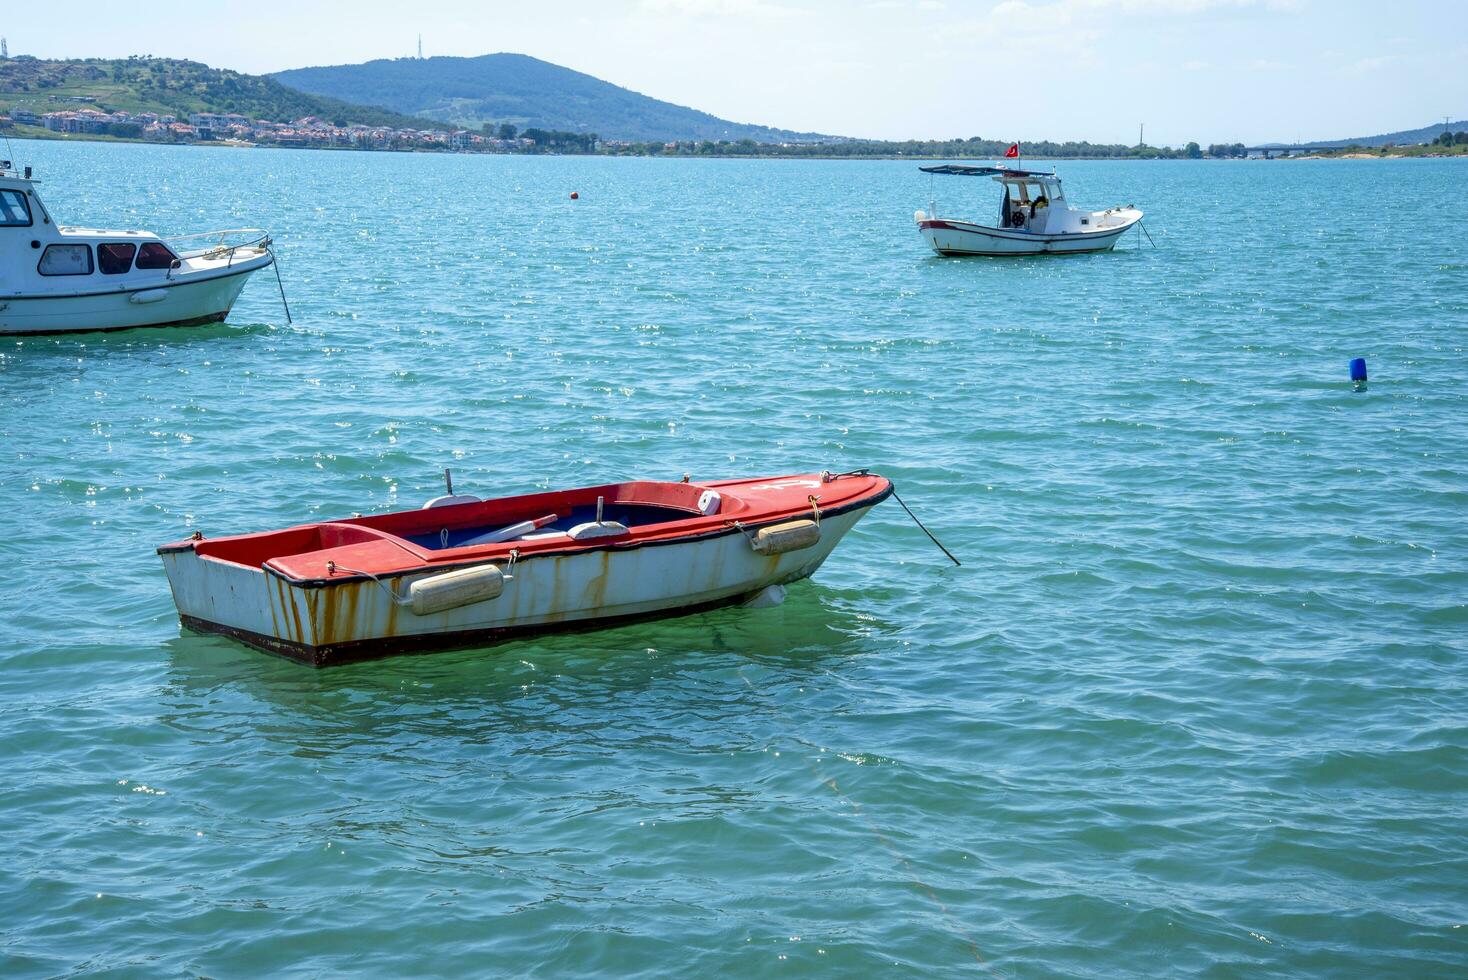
(953, 252)
(1028, 237)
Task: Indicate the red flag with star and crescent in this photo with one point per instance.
(1013, 152)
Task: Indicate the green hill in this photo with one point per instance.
(1405, 137)
(171, 87)
(523, 91)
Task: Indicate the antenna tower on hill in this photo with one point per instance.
(420, 47)
(4, 49)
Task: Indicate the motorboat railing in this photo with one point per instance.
(223, 248)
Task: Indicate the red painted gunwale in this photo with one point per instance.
(377, 545)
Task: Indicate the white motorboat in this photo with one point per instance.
(1034, 218)
(62, 279)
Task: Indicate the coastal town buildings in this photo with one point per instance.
(309, 131)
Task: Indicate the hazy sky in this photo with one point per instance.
(1210, 70)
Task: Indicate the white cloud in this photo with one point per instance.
(1062, 12)
(1183, 7)
(1367, 65)
(720, 8)
(1073, 27)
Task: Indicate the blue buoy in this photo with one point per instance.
(1358, 373)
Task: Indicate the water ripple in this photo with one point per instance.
(1193, 704)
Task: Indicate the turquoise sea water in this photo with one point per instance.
(1195, 702)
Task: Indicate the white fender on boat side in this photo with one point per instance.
(451, 590)
(770, 595)
(148, 296)
(778, 539)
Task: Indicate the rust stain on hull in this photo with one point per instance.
(556, 608)
(392, 616)
(289, 621)
(295, 613)
(337, 612)
(595, 596)
(335, 654)
(271, 605)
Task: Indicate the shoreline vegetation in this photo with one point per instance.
(160, 100)
(928, 150)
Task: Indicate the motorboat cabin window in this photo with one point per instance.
(115, 258)
(14, 211)
(1032, 192)
(155, 255)
(66, 260)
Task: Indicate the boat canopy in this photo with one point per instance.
(959, 170)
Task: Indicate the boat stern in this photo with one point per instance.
(231, 598)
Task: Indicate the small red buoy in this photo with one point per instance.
(575, 196)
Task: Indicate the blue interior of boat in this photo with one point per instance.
(631, 515)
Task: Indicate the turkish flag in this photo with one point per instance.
(1012, 152)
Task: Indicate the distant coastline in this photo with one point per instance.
(762, 152)
(142, 99)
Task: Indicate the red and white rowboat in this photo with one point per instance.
(465, 572)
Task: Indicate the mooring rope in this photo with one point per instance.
(275, 264)
(332, 568)
(925, 530)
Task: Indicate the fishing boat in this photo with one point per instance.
(462, 571)
(56, 279)
(1034, 218)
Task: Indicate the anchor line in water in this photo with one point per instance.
(1143, 229)
(275, 264)
(925, 530)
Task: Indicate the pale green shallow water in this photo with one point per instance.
(1195, 702)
